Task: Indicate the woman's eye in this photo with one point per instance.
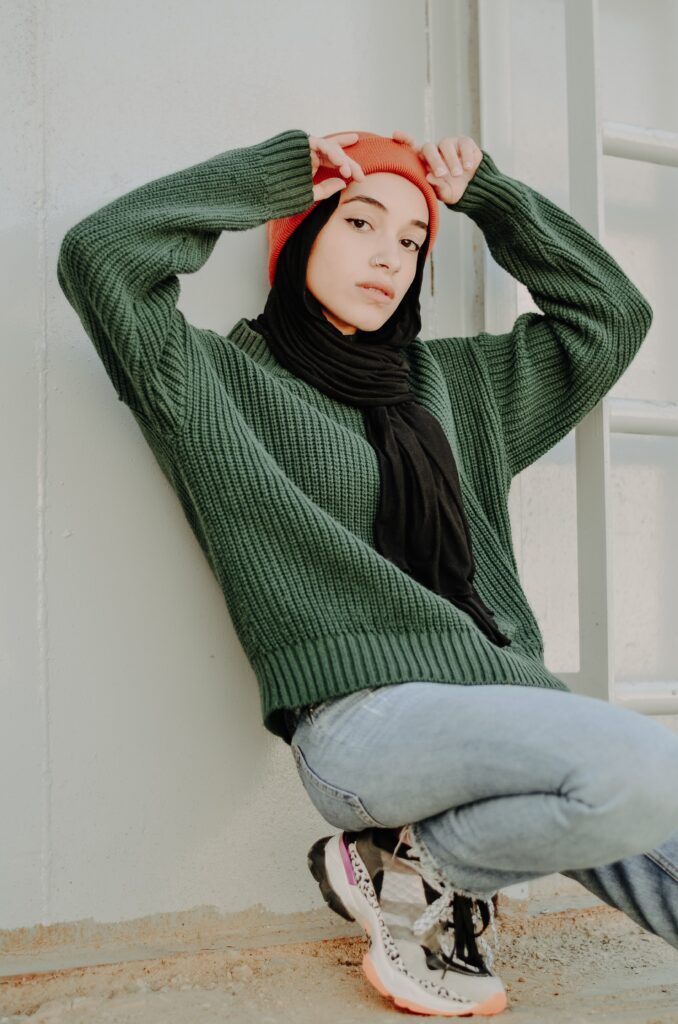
(355, 220)
(359, 220)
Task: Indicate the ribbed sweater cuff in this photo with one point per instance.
(289, 151)
(490, 195)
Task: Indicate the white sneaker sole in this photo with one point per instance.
(346, 885)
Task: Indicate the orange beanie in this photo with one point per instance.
(373, 153)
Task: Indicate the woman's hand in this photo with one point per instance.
(453, 163)
(326, 151)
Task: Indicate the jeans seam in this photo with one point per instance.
(352, 800)
(663, 863)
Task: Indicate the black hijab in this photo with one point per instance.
(420, 523)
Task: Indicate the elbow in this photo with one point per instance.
(632, 327)
(645, 314)
(65, 261)
(68, 251)
(71, 261)
(638, 318)
(637, 313)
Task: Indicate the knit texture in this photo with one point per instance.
(278, 481)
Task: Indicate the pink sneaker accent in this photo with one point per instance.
(348, 866)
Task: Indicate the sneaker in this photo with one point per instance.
(422, 933)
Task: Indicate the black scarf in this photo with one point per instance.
(420, 523)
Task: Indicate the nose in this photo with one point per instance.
(389, 259)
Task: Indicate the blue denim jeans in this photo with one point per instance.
(506, 783)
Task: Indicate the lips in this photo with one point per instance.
(383, 290)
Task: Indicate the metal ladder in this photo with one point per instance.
(589, 140)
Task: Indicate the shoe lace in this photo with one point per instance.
(453, 912)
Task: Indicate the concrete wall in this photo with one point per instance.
(137, 777)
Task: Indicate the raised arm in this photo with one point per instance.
(551, 368)
(118, 267)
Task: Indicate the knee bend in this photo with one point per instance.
(635, 809)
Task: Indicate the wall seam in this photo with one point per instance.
(429, 126)
(41, 488)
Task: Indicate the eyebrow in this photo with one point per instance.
(376, 202)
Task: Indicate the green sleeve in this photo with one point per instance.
(118, 267)
(546, 373)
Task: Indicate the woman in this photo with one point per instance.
(348, 483)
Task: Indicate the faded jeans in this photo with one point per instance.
(506, 783)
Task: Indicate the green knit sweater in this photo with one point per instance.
(279, 482)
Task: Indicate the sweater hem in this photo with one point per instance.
(332, 666)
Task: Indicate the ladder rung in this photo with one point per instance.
(649, 698)
(640, 416)
(632, 142)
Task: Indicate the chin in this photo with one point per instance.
(361, 321)
(364, 322)
(373, 326)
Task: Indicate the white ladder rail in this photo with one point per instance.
(589, 140)
(642, 416)
(633, 142)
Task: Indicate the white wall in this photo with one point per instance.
(140, 776)
(137, 776)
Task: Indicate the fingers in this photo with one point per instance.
(454, 155)
(401, 136)
(463, 151)
(327, 188)
(331, 154)
(344, 138)
(442, 159)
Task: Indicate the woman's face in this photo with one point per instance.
(373, 238)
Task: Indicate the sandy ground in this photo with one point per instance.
(570, 967)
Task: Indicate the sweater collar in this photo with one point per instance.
(256, 347)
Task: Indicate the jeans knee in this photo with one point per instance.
(632, 810)
(653, 799)
(626, 789)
